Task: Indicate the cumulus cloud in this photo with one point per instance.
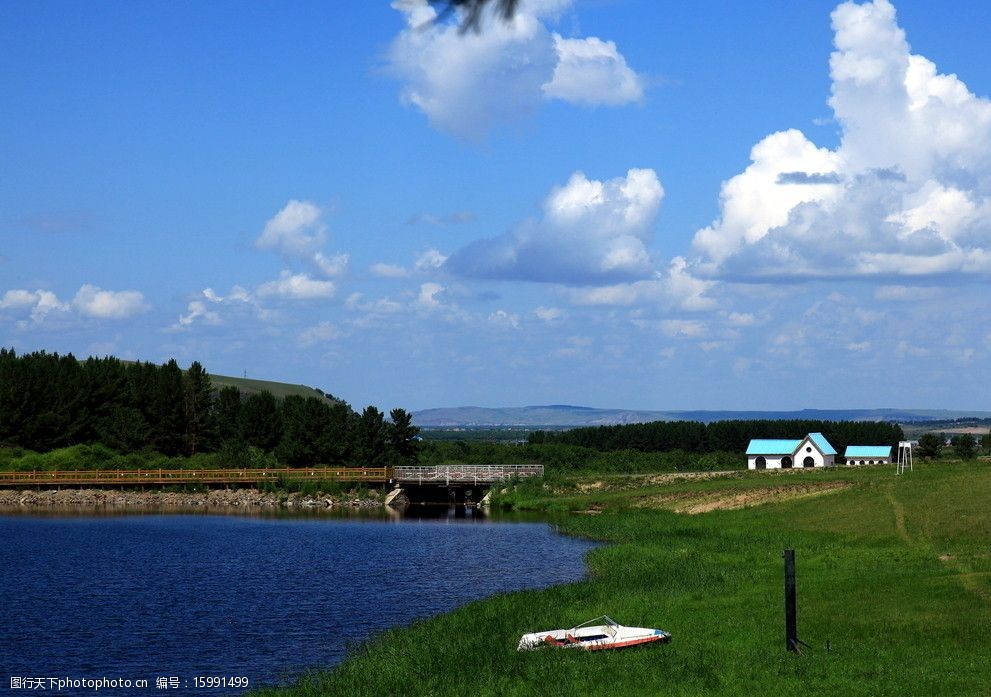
(548, 314)
(591, 232)
(299, 286)
(506, 320)
(319, 333)
(209, 307)
(299, 232)
(591, 71)
(467, 82)
(430, 260)
(93, 301)
(427, 298)
(674, 288)
(34, 307)
(907, 192)
(388, 270)
(331, 266)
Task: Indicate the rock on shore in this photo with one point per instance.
(215, 498)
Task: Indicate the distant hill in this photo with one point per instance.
(279, 389)
(561, 416)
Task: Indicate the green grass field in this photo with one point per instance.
(893, 572)
(249, 386)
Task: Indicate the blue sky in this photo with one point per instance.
(621, 204)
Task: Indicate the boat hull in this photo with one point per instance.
(595, 638)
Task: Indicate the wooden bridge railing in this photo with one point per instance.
(440, 474)
(462, 474)
(204, 476)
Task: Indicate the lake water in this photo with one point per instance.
(143, 597)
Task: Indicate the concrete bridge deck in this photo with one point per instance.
(442, 475)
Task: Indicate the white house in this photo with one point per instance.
(812, 451)
(868, 454)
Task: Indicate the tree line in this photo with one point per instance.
(50, 401)
(719, 436)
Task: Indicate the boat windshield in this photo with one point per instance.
(606, 622)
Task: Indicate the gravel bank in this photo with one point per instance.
(217, 498)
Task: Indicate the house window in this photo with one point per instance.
(808, 449)
(808, 462)
(786, 462)
(760, 462)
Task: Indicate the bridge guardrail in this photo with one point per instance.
(463, 474)
(192, 476)
(446, 474)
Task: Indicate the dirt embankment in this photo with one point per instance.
(694, 502)
(218, 498)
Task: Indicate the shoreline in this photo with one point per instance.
(713, 581)
(244, 499)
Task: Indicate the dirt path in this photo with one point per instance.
(695, 502)
(973, 582)
(899, 511)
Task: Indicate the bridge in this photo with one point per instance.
(437, 475)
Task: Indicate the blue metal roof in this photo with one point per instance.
(822, 443)
(772, 447)
(868, 451)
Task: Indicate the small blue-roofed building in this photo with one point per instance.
(868, 455)
(812, 451)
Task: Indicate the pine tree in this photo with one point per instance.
(201, 423)
(402, 437)
(370, 439)
(261, 423)
(229, 414)
(169, 425)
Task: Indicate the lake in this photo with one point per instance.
(176, 597)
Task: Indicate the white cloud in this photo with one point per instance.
(92, 301)
(388, 270)
(428, 295)
(592, 72)
(907, 192)
(467, 82)
(298, 286)
(548, 314)
(382, 306)
(674, 288)
(331, 266)
(36, 304)
(319, 333)
(591, 232)
(297, 230)
(430, 260)
(197, 310)
(34, 307)
(741, 319)
(683, 328)
(508, 320)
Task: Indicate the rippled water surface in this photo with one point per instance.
(149, 596)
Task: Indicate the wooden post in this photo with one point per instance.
(791, 619)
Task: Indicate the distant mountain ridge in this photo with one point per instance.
(564, 415)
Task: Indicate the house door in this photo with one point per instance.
(760, 462)
(808, 462)
(786, 462)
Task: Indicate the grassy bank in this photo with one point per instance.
(894, 572)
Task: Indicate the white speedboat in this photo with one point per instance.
(594, 635)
